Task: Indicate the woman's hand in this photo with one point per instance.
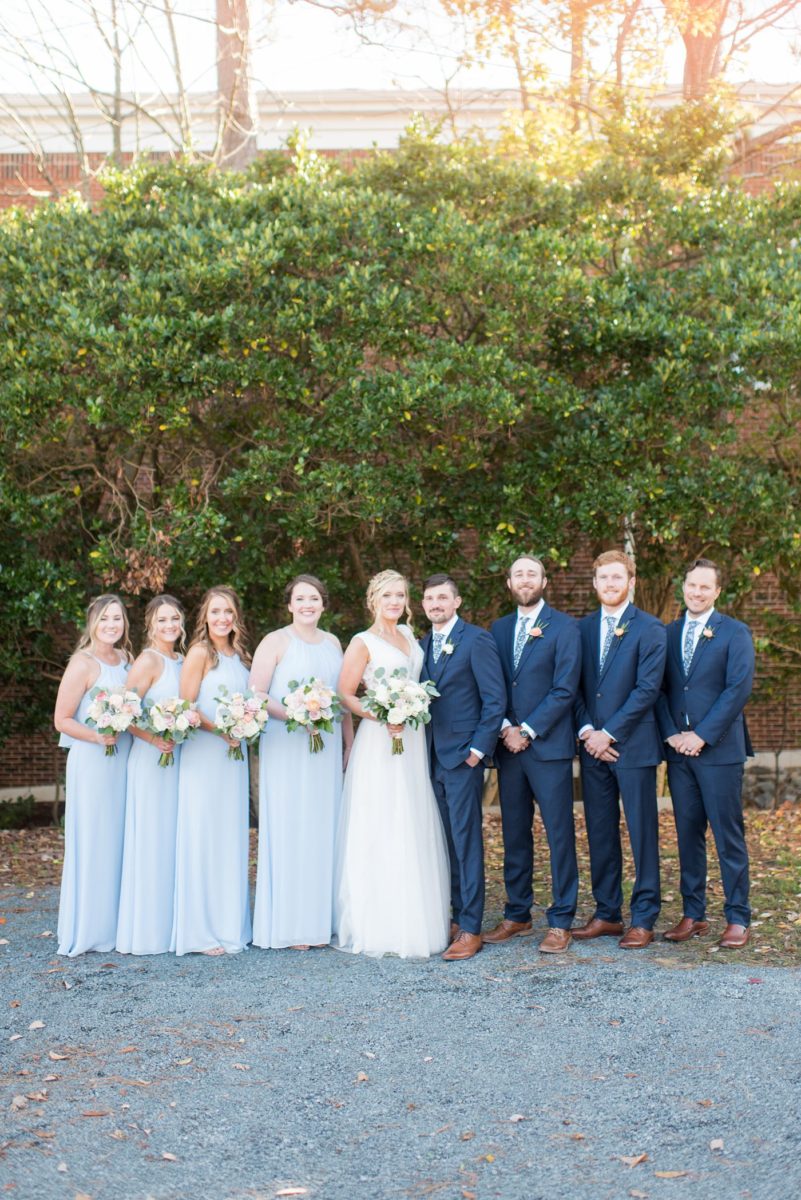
(395, 730)
(106, 739)
(232, 742)
(162, 745)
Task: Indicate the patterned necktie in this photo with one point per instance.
(689, 643)
(520, 639)
(439, 638)
(610, 633)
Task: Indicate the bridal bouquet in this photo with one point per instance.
(174, 720)
(240, 715)
(397, 700)
(112, 711)
(314, 706)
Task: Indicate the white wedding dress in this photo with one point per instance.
(391, 876)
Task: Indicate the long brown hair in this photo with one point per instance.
(150, 619)
(94, 612)
(237, 638)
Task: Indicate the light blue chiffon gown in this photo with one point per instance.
(94, 822)
(299, 795)
(147, 893)
(212, 904)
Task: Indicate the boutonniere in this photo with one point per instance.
(448, 647)
(538, 629)
(707, 632)
(622, 630)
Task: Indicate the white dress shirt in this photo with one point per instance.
(531, 617)
(699, 629)
(617, 613)
(446, 630)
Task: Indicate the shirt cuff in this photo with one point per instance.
(478, 753)
(608, 734)
(527, 729)
(507, 724)
(585, 729)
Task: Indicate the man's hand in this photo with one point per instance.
(674, 741)
(472, 759)
(599, 745)
(515, 740)
(690, 744)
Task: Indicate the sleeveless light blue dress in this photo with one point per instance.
(299, 795)
(147, 893)
(212, 903)
(94, 822)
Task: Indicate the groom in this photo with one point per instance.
(465, 722)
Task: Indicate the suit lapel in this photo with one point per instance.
(713, 623)
(543, 618)
(454, 637)
(627, 616)
(425, 646)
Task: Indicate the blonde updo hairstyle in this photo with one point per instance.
(150, 619)
(237, 638)
(94, 612)
(377, 585)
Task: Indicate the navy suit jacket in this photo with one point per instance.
(541, 691)
(711, 697)
(472, 700)
(621, 697)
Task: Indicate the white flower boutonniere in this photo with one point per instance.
(622, 630)
(707, 632)
(538, 629)
(449, 648)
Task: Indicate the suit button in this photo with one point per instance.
(514, 683)
(598, 695)
(686, 689)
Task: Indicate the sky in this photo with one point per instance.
(301, 47)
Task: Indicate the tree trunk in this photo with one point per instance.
(237, 140)
(700, 23)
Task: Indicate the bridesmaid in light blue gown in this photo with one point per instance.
(299, 792)
(147, 893)
(212, 904)
(95, 810)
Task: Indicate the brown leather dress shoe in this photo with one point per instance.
(454, 932)
(636, 938)
(734, 937)
(508, 929)
(598, 928)
(464, 945)
(556, 941)
(687, 928)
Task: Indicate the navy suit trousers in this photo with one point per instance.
(522, 779)
(603, 786)
(710, 794)
(458, 792)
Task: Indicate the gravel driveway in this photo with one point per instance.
(599, 1074)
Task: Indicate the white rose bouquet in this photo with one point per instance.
(397, 700)
(313, 706)
(112, 710)
(240, 715)
(172, 719)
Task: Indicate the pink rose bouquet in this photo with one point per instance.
(313, 706)
(113, 710)
(172, 719)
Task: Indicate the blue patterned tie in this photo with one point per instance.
(689, 643)
(439, 638)
(610, 633)
(520, 640)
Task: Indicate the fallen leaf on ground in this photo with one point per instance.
(669, 1174)
(183, 1062)
(118, 1135)
(632, 1160)
(517, 1117)
(51, 1078)
(705, 1103)
(38, 1097)
(241, 1067)
(4, 942)
(15, 1037)
(61, 1167)
(55, 1056)
(467, 1136)
(36, 1025)
(637, 1195)
(96, 1112)
(577, 1137)
(170, 1157)
(18, 1102)
(129, 1050)
(292, 1192)
(362, 1077)
(716, 1144)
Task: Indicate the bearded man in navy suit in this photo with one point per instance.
(623, 661)
(465, 723)
(708, 679)
(540, 652)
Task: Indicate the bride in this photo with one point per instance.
(391, 879)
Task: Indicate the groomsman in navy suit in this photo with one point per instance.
(708, 679)
(540, 652)
(465, 722)
(623, 661)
